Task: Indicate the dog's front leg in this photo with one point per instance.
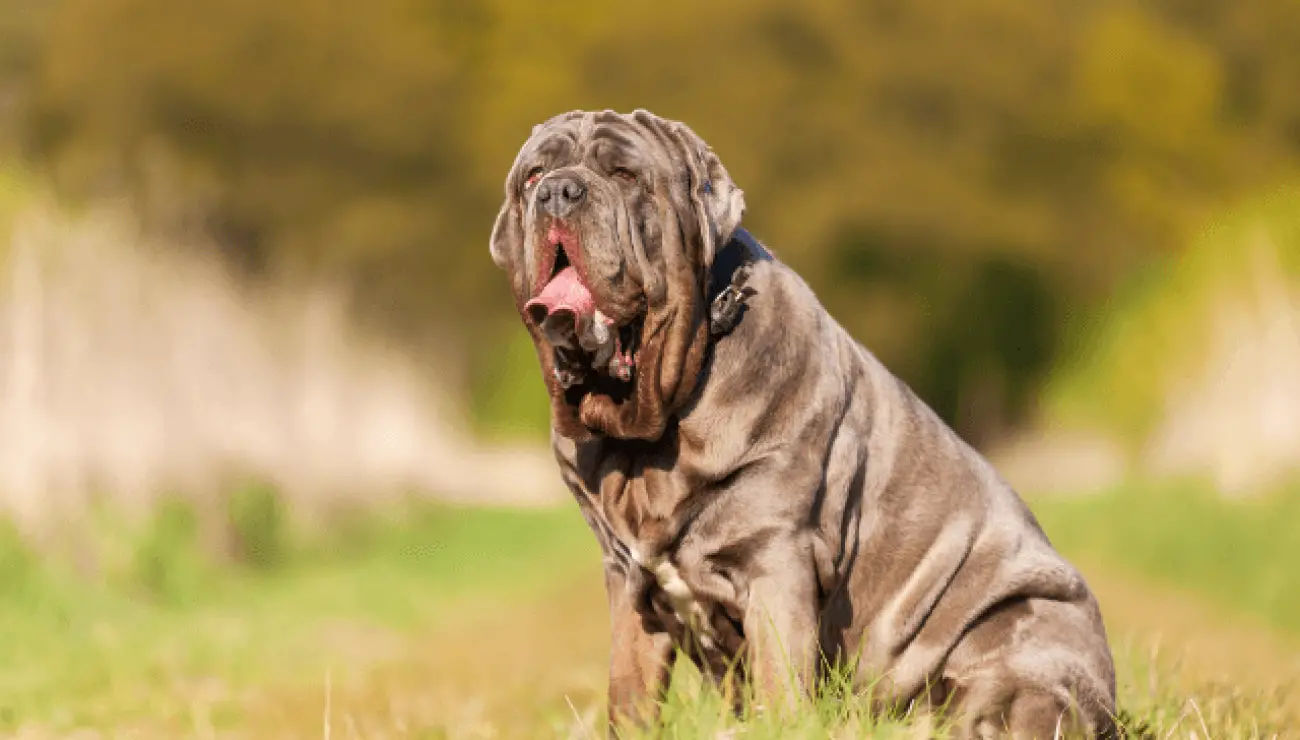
(639, 660)
(781, 628)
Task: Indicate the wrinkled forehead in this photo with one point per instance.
(606, 139)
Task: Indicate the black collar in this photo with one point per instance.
(727, 289)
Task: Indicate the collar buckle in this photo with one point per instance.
(729, 305)
(727, 289)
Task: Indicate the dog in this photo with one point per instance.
(770, 500)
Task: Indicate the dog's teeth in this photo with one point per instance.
(597, 335)
(619, 368)
(600, 333)
(566, 378)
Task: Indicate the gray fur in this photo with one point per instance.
(779, 495)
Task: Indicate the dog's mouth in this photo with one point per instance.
(592, 352)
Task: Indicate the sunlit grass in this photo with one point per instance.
(1240, 554)
(116, 641)
(696, 708)
(447, 622)
(1150, 707)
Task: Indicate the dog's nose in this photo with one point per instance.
(560, 194)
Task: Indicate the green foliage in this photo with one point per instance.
(1159, 329)
(507, 396)
(15, 193)
(1069, 140)
(19, 567)
(169, 562)
(258, 526)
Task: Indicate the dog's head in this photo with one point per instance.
(608, 232)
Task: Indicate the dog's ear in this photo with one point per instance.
(508, 230)
(719, 203)
(724, 202)
(700, 208)
(507, 237)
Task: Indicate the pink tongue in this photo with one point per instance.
(565, 292)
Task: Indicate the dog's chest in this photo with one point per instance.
(666, 595)
(655, 574)
(633, 509)
(671, 596)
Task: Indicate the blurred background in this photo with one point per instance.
(245, 288)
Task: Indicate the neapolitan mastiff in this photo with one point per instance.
(761, 486)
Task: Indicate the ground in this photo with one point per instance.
(451, 622)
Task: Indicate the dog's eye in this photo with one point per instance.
(625, 174)
(534, 175)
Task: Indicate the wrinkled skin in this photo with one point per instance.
(777, 496)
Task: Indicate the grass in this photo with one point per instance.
(1148, 710)
(449, 622)
(1240, 554)
(125, 643)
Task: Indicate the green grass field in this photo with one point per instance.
(446, 622)
(1242, 555)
